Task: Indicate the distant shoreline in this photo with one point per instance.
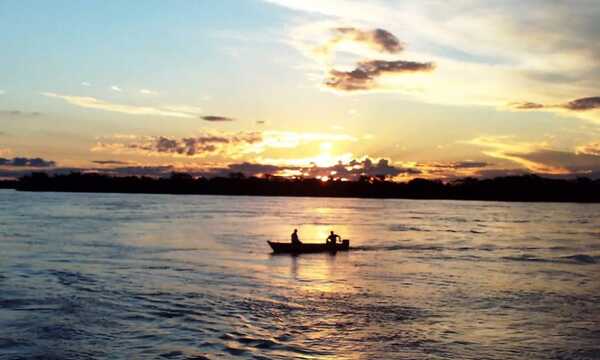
(526, 188)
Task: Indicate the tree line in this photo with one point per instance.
(507, 188)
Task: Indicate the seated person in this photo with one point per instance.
(332, 238)
(295, 239)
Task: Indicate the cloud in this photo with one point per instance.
(193, 110)
(216, 118)
(349, 170)
(448, 170)
(526, 106)
(15, 113)
(589, 149)
(93, 103)
(538, 157)
(365, 75)
(2, 92)
(379, 40)
(290, 139)
(214, 143)
(470, 41)
(116, 88)
(85, 83)
(503, 147)
(27, 162)
(260, 122)
(466, 164)
(246, 168)
(110, 162)
(582, 104)
(206, 144)
(148, 92)
(574, 163)
(369, 66)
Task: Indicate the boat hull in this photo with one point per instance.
(308, 248)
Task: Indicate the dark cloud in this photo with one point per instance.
(575, 163)
(582, 104)
(27, 162)
(246, 168)
(365, 75)
(355, 168)
(190, 146)
(380, 39)
(466, 164)
(469, 164)
(527, 106)
(350, 170)
(493, 173)
(216, 118)
(260, 122)
(110, 162)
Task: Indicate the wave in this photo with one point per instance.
(400, 227)
(397, 247)
(582, 259)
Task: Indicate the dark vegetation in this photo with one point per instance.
(510, 188)
(8, 184)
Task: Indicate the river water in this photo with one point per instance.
(191, 277)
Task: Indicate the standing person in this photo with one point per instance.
(295, 239)
(332, 238)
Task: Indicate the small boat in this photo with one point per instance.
(305, 248)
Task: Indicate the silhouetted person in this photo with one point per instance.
(295, 239)
(332, 238)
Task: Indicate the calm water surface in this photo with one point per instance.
(191, 277)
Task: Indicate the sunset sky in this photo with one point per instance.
(408, 89)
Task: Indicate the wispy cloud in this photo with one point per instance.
(19, 113)
(582, 104)
(216, 118)
(589, 149)
(148, 92)
(85, 83)
(2, 92)
(504, 147)
(587, 108)
(110, 162)
(93, 103)
(116, 88)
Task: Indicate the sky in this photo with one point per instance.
(336, 89)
